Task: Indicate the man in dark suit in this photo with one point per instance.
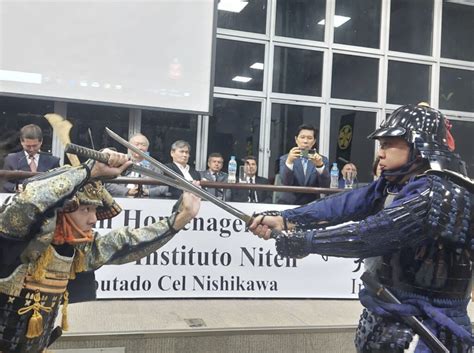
(30, 159)
(180, 152)
(215, 162)
(256, 196)
(303, 166)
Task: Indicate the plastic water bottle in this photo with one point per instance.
(232, 170)
(334, 176)
(145, 163)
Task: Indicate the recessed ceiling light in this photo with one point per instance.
(338, 21)
(257, 66)
(462, 2)
(242, 79)
(232, 5)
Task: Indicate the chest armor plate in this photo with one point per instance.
(17, 299)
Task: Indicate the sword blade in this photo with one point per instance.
(179, 181)
(157, 176)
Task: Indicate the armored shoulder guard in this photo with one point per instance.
(451, 212)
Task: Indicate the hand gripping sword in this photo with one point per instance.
(170, 178)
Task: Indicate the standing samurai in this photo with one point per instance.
(413, 228)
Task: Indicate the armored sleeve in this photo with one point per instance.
(128, 244)
(25, 213)
(402, 224)
(337, 208)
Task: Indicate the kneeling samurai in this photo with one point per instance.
(46, 238)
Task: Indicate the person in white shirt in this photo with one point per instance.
(30, 158)
(254, 196)
(180, 153)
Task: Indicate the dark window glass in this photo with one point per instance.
(286, 118)
(301, 19)
(297, 71)
(96, 118)
(354, 77)
(462, 132)
(457, 30)
(455, 89)
(18, 112)
(352, 142)
(234, 129)
(411, 26)
(251, 18)
(357, 23)
(164, 128)
(235, 59)
(408, 82)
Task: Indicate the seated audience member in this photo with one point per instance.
(30, 159)
(180, 152)
(215, 162)
(303, 166)
(256, 196)
(348, 168)
(135, 190)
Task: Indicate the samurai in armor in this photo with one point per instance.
(413, 228)
(46, 239)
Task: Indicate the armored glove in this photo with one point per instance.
(291, 245)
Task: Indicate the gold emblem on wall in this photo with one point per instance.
(345, 137)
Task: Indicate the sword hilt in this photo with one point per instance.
(87, 152)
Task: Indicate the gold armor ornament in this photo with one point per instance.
(94, 193)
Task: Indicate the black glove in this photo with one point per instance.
(291, 245)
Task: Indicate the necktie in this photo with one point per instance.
(33, 166)
(304, 161)
(219, 192)
(252, 193)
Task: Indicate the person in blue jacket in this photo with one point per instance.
(413, 227)
(303, 166)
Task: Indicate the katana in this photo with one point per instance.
(168, 177)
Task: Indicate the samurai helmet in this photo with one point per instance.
(427, 132)
(94, 193)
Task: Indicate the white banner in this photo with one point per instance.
(216, 257)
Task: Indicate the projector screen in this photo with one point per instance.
(156, 54)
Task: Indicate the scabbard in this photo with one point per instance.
(412, 321)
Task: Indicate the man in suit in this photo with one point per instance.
(180, 152)
(30, 159)
(215, 162)
(133, 190)
(255, 196)
(303, 166)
